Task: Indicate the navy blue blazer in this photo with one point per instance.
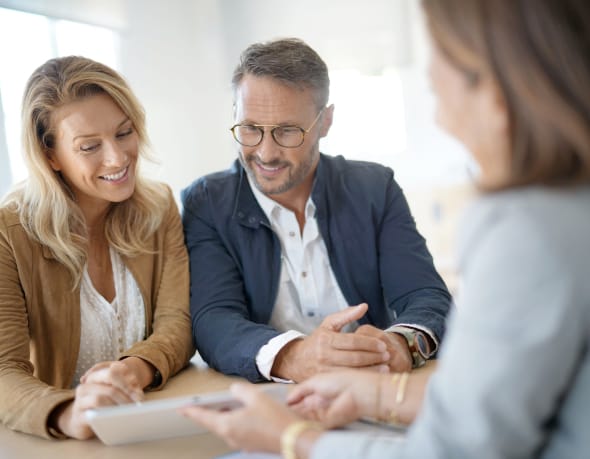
(375, 252)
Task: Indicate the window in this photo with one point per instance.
(369, 117)
(29, 40)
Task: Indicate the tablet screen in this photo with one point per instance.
(158, 419)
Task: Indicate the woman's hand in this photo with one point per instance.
(256, 426)
(105, 384)
(131, 374)
(338, 398)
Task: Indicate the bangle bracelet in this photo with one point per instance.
(401, 380)
(401, 388)
(291, 434)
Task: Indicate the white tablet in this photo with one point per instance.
(158, 419)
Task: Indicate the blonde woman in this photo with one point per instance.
(511, 78)
(93, 267)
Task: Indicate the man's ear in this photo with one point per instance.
(327, 118)
(53, 162)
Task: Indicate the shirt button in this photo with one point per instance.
(310, 314)
(304, 274)
(292, 233)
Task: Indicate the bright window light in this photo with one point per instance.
(98, 43)
(35, 39)
(369, 116)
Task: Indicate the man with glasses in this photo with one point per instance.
(302, 262)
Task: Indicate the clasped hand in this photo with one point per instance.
(328, 349)
(106, 383)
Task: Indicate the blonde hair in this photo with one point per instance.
(45, 204)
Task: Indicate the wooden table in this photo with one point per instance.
(197, 378)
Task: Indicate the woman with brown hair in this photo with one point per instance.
(512, 79)
(93, 268)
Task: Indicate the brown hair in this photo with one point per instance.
(289, 60)
(538, 52)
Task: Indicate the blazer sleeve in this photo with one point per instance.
(169, 347)
(411, 285)
(225, 331)
(25, 401)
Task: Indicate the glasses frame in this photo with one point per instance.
(274, 127)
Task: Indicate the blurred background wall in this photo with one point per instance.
(178, 56)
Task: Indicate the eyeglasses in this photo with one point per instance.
(251, 135)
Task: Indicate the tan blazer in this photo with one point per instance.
(40, 319)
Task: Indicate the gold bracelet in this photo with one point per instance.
(394, 381)
(401, 388)
(291, 434)
(401, 379)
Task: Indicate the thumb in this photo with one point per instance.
(339, 319)
(244, 392)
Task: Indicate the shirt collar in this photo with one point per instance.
(271, 208)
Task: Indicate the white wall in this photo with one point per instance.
(178, 56)
(173, 55)
(4, 159)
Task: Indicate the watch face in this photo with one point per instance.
(422, 344)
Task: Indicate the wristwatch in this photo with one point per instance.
(417, 344)
(156, 381)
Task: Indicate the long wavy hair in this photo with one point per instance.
(45, 204)
(538, 52)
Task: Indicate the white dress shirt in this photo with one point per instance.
(308, 290)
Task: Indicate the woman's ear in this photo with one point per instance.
(53, 162)
(497, 108)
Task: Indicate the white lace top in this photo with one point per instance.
(108, 329)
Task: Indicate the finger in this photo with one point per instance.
(339, 360)
(95, 395)
(313, 409)
(340, 412)
(382, 368)
(339, 319)
(118, 376)
(370, 330)
(326, 385)
(96, 367)
(299, 393)
(400, 359)
(248, 394)
(116, 373)
(354, 342)
(210, 419)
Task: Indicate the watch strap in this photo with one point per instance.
(411, 335)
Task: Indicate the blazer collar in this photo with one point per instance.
(247, 211)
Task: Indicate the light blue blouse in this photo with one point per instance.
(513, 380)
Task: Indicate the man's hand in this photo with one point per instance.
(397, 347)
(327, 349)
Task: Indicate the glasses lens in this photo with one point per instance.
(288, 136)
(247, 135)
